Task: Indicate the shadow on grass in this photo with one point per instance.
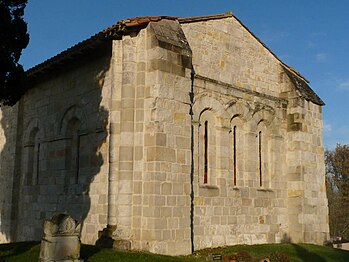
(306, 255)
(30, 251)
(87, 251)
(15, 249)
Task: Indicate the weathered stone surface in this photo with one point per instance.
(61, 240)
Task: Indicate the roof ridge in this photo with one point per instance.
(192, 19)
(140, 20)
(302, 86)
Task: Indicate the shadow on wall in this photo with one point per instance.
(54, 151)
(286, 239)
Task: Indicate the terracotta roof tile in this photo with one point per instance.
(141, 20)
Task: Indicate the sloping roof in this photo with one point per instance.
(302, 86)
(114, 32)
(127, 26)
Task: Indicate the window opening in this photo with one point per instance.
(260, 156)
(30, 166)
(234, 155)
(206, 153)
(75, 151)
(77, 163)
(37, 163)
(73, 147)
(33, 155)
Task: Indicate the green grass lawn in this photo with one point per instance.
(29, 251)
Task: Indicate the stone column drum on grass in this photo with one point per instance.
(61, 240)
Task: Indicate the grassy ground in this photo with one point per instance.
(29, 251)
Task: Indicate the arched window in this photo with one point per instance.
(260, 158)
(36, 167)
(262, 141)
(32, 157)
(72, 127)
(73, 150)
(234, 155)
(207, 148)
(237, 150)
(206, 152)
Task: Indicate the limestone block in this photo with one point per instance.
(121, 245)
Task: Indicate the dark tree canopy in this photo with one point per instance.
(337, 185)
(13, 39)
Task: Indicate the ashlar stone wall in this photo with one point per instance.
(183, 135)
(307, 202)
(244, 199)
(149, 190)
(167, 140)
(226, 51)
(254, 192)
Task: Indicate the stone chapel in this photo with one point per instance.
(171, 135)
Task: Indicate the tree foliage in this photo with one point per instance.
(337, 179)
(13, 39)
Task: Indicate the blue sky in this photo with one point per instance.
(310, 35)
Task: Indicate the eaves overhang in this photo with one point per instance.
(115, 32)
(302, 86)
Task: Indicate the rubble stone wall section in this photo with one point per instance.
(8, 133)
